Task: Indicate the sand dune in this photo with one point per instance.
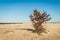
(24, 32)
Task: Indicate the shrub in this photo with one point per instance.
(37, 19)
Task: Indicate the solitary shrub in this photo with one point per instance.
(37, 19)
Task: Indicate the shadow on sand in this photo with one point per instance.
(32, 30)
(26, 29)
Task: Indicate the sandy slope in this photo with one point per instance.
(24, 32)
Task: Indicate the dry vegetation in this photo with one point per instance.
(37, 19)
(24, 32)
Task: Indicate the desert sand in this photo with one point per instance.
(24, 32)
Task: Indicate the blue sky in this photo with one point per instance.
(19, 10)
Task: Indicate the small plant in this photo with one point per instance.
(37, 19)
